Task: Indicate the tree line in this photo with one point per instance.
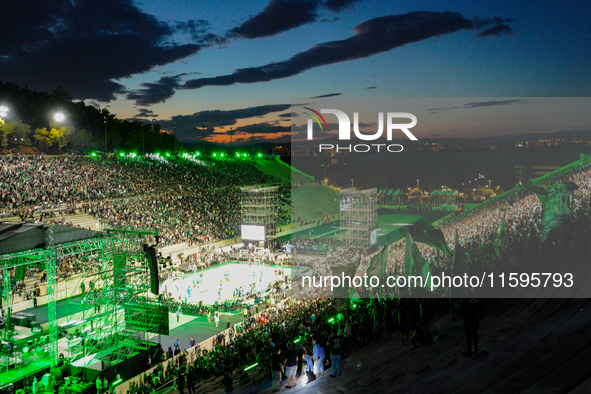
(30, 121)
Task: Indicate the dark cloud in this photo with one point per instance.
(278, 16)
(496, 31)
(370, 87)
(155, 92)
(189, 127)
(339, 5)
(494, 26)
(442, 109)
(89, 45)
(479, 104)
(327, 95)
(263, 128)
(197, 29)
(330, 20)
(145, 113)
(371, 37)
(289, 115)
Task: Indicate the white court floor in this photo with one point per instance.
(241, 275)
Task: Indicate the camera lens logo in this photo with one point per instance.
(345, 130)
(317, 121)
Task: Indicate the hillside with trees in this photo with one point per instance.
(31, 125)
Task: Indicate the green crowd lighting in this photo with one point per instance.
(298, 340)
(331, 320)
(167, 154)
(250, 367)
(198, 153)
(260, 155)
(215, 155)
(93, 154)
(121, 154)
(157, 154)
(133, 155)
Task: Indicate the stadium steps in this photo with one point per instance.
(277, 170)
(452, 379)
(527, 346)
(583, 388)
(81, 220)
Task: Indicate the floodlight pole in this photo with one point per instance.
(105, 134)
(143, 147)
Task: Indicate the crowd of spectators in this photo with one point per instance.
(187, 199)
(478, 230)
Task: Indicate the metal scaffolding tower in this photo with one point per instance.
(358, 217)
(259, 205)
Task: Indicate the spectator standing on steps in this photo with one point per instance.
(276, 368)
(291, 365)
(470, 314)
(318, 356)
(336, 347)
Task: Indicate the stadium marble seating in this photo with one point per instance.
(526, 346)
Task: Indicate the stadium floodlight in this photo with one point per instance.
(59, 117)
(3, 114)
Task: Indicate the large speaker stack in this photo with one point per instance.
(150, 252)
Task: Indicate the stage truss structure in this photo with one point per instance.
(259, 206)
(359, 217)
(116, 313)
(114, 318)
(46, 258)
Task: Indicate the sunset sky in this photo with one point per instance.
(239, 63)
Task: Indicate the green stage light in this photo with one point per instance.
(250, 367)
